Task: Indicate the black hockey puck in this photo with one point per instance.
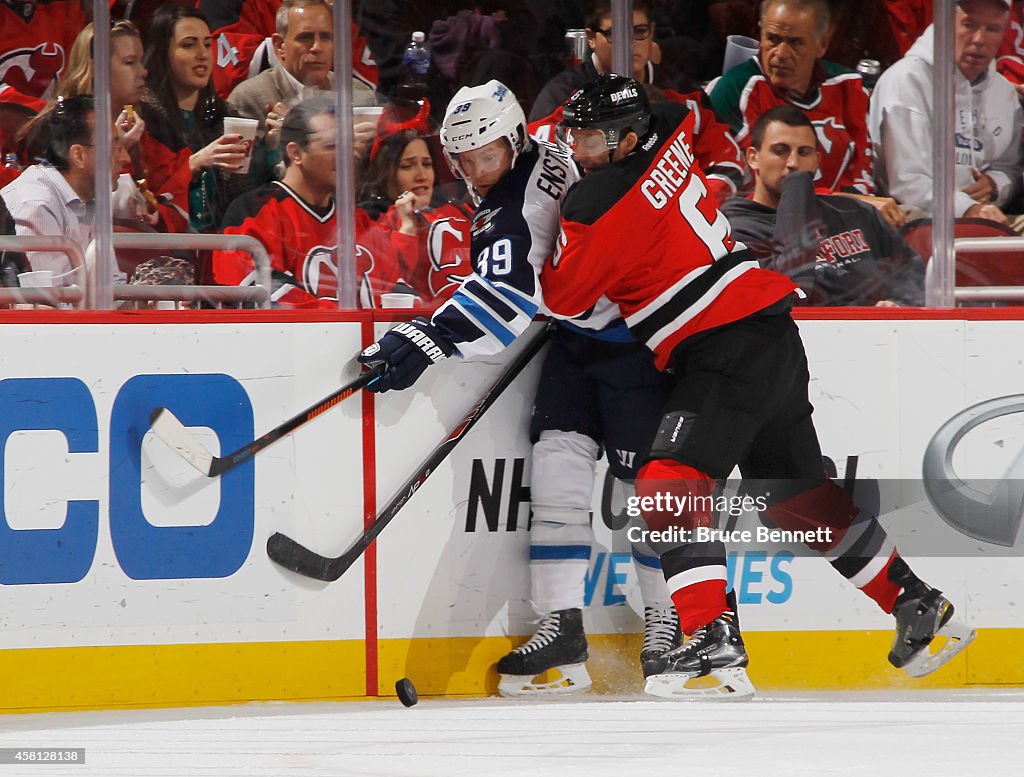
(406, 692)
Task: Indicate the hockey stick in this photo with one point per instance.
(291, 555)
(173, 432)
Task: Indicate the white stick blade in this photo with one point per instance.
(168, 428)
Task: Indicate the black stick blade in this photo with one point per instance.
(286, 552)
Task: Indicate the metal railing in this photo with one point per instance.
(981, 245)
(52, 296)
(258, 294)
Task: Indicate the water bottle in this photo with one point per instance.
(416, 60)
(415, 64)
(11, 162)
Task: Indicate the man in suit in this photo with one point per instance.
(304, 46)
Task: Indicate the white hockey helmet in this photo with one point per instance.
(478, 115)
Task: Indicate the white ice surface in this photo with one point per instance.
(905, 734)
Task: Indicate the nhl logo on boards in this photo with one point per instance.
(627, 93)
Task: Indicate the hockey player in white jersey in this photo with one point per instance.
(517, 184)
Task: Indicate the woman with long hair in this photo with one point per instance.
(398, 192)
(127, 81)
(185, 117)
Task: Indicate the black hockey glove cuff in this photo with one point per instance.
(407, 350)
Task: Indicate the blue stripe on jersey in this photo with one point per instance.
(643, 559)
(617, 332)
(476, 310)
(487, 294)
(559, 552)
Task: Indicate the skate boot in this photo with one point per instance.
(923, 613)
(559, 645)
(715, 650)
(661, 634)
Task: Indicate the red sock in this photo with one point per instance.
(880, 588)
(699, 603)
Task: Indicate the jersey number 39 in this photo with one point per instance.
(495, 259)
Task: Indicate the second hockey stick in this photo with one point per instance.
(291, 555)
(173, 432)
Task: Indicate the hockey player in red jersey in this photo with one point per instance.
(639, 229)
(294, 218)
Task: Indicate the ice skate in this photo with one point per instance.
(661, 634)
(922, 615)
(559, 646)
(714, 651)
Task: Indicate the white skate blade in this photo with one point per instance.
(732, 685)
(572, 678)
(957, 637)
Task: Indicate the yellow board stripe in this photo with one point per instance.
(43, 680)
(40, 680)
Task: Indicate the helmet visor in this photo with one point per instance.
(584, 142)
(484, 166)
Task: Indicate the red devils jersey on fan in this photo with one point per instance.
(301, 241)
(1011, 53)
(436, 259)
(235, 43)
(717, 152)
(908, 19)
(166, 172)
(644, 233)
(35, 41)
(837, 106)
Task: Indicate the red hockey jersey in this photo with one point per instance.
(302, 243)
(436, 259)
(644, 233)
(167, 175)
(717, 152)
(35, 42)
(837, 106)
(1011, 53)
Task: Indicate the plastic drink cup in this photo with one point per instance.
(235, 125)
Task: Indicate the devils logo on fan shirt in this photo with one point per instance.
(448, 249)
(320, 273)
(32, 71)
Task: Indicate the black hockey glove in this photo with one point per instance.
(407, 350)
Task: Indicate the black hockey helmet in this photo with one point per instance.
(614, 104)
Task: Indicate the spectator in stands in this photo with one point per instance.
(185, 117)
(714, 147)
(429, 232)
(304, 44)
(840, 251)
(55, 197)
(988, 119)
(599, 38)
(794, 37)
(294, 218)
(127, 81)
